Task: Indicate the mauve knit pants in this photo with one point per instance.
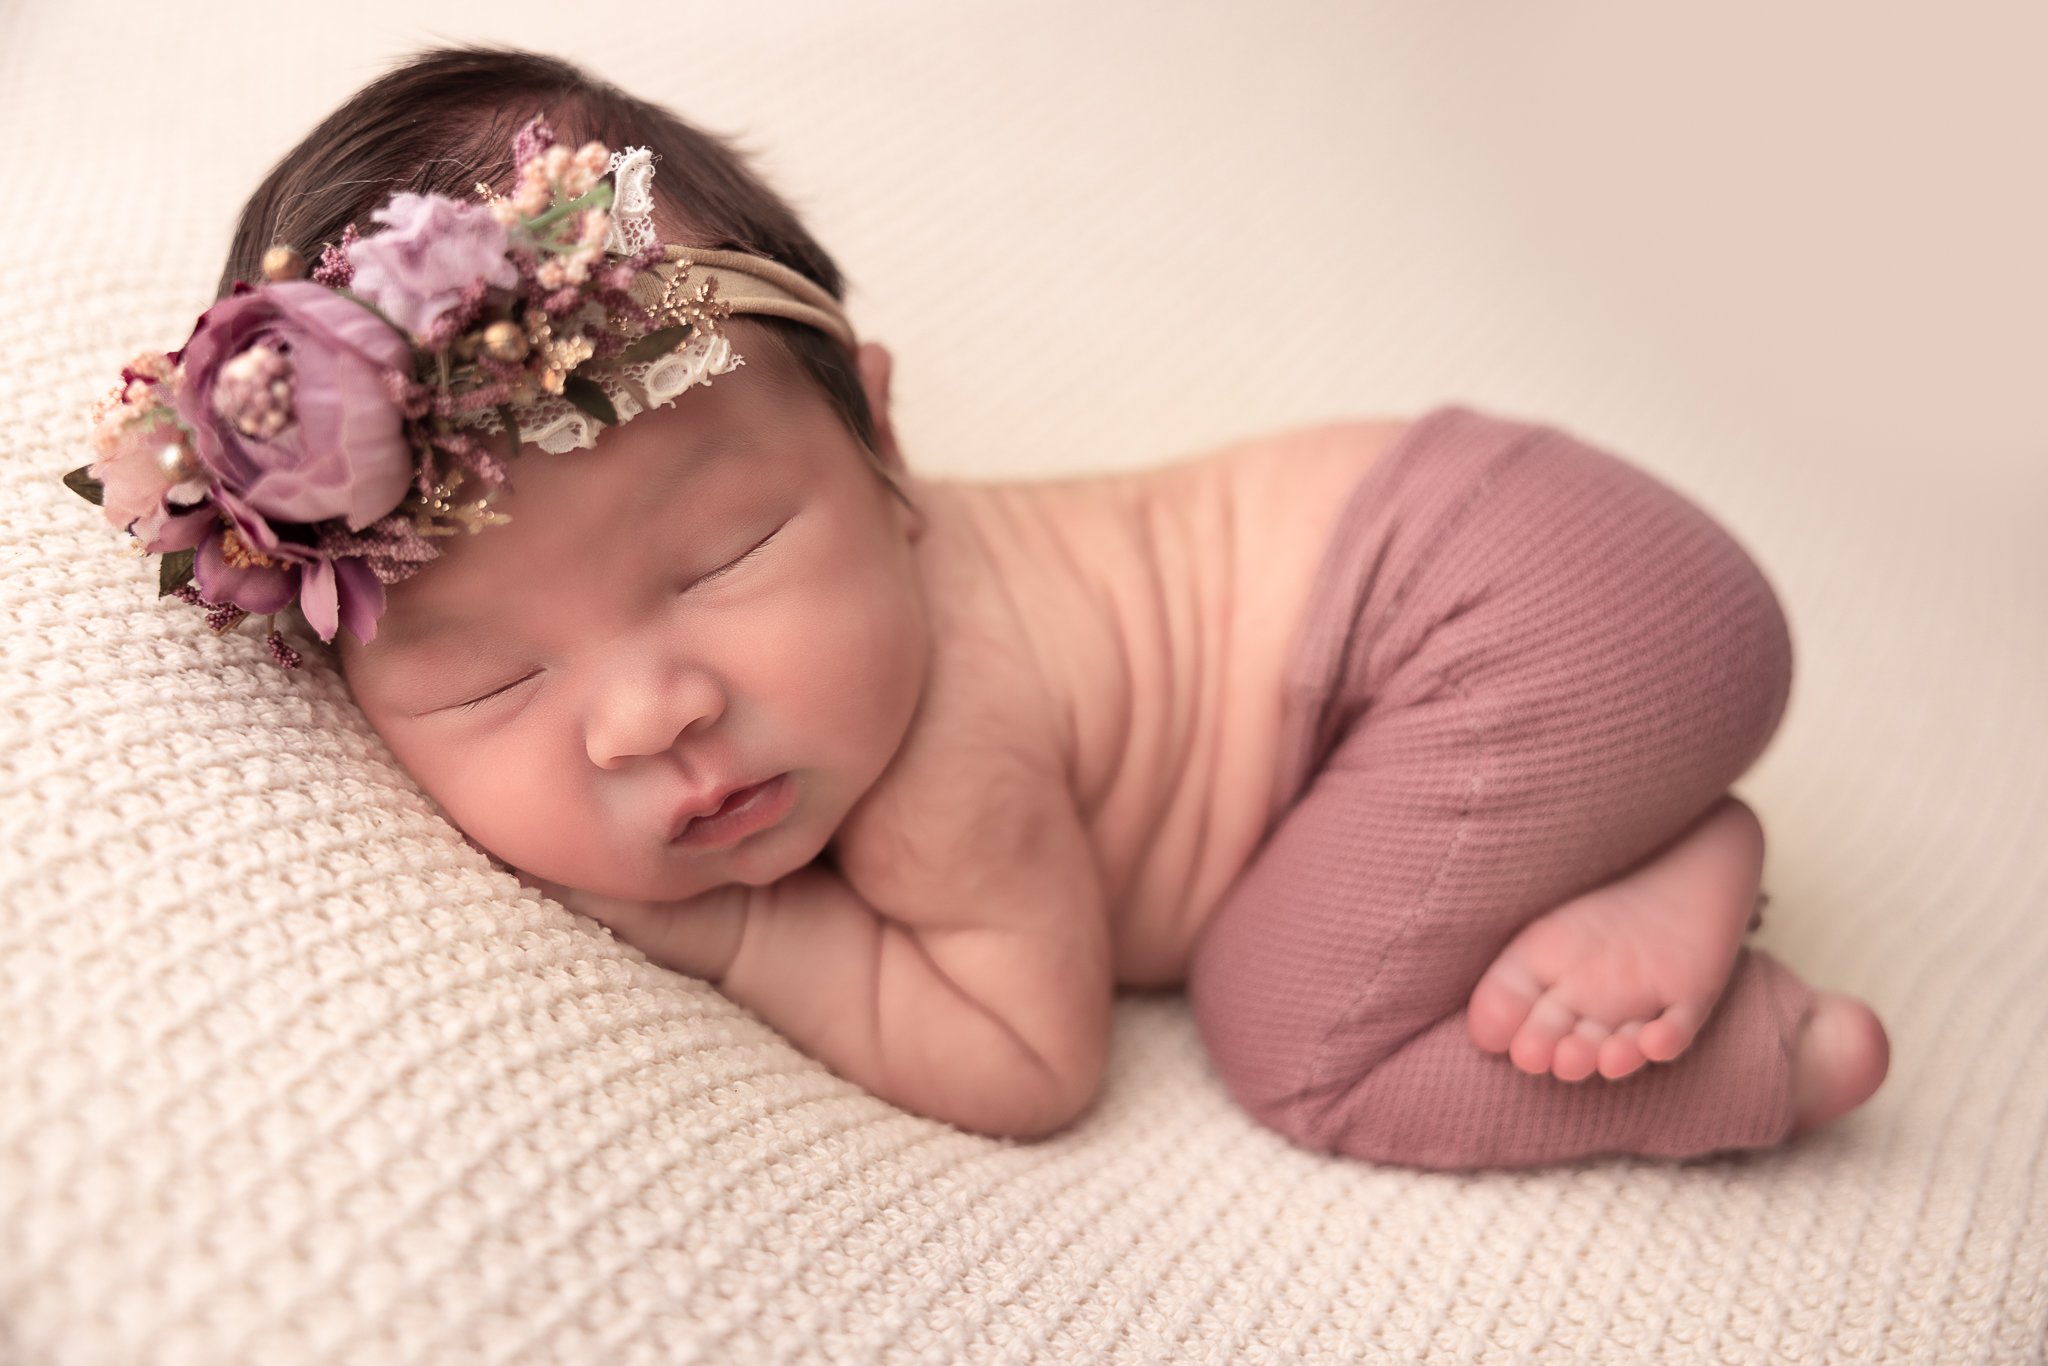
(1525, 667)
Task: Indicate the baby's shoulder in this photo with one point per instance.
(1274, 478)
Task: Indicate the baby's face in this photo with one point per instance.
(686, 657)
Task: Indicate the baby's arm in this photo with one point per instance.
(982, 997)
(994, 1017)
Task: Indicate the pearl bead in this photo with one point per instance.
(177, 463)
(282, 263)
(505, 341)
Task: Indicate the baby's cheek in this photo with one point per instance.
(520, 807)
(871, 671)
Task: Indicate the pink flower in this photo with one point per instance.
(531, 140)
(131, 468)
(310, 432)
(432, 249)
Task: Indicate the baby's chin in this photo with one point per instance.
(755, 869)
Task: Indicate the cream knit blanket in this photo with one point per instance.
(289, 1074)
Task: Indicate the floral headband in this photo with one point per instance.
(314, 439)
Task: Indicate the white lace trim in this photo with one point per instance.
(632, 173)
(556, 425)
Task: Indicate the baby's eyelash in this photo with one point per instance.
(475, 702)
(739, 560)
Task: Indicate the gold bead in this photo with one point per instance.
(505, 341)
(282, 263)
(177, 463)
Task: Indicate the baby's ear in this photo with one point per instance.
(876, 365)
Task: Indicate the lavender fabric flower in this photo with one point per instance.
(432, 249)
(244, 563)
(227, 569)
(337, 445)
(342, 593)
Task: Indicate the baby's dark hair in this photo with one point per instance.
(442, 122)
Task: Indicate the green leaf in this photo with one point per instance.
(585, 394)
(511, 426)
(598, 196)
(654, 345)
(173, 572)
(384, 318)
(81, 482)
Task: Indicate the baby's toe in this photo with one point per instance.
(1499, 1007)
(1578, 1053)
(1620, 1053)
(1671, 1033)
(1535, 1043)
(1574, 1060)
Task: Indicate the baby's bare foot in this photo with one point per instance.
(1842, 1057)
(1627, 973)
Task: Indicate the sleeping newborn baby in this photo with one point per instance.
(1405, 746)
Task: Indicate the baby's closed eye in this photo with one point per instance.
(736, 561)
(501, 690)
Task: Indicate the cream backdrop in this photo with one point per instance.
(289, 1074)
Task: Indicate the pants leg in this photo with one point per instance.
(1527, 667)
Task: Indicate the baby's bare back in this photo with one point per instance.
(1109, 653)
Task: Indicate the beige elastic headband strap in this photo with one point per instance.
(755, 284)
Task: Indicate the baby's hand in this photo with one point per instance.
(698, 936)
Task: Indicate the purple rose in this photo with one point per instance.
(432, 248)
(283, 389)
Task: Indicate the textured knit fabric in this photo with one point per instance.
(1524, 667)
(290, 1076)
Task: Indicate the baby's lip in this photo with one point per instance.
(703, 805)
(729, 814)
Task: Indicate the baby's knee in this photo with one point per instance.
(1286, 1063)
(1260, 1040)
(1399, 1115)
(1274, 1088)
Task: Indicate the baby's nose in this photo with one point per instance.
(647, 712)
